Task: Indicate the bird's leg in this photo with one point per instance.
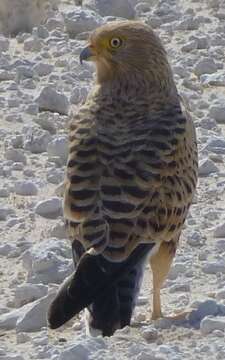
(160, 265)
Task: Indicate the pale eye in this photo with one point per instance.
(115, 42)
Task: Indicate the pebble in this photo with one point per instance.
(113, 8)
(26, 293)
(52, 100)
(35, 317)
(79, 21)
(217, 112)
(5, 212)
(50, 209)
(205, 66)
(25, 188)
(219, 231)
(43, 69)
(48, 262)
(37, 140)
(217, 79)
(15, 155)
(207, 167)
(149, 333)
(213, 267)
(59, 147)
(211, 323)
(4, 44)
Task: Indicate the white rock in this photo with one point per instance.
(116, 8)
(55, 176)
(22, 338)
(219, 231)
(21, 16)
(25, 188)
(13, 357)
(188, 47)
(6, 249)
(149, 333)
(58, 231)
(29, 292)
(50, 209)
(15, 155)
(4, 44)
(52, 100)
(176, 270)
(79, 21)
(59, 147)
(83, 349)
(8, 320)
(48, 262)
(218, 113)
(210, 323)
(207, 167)
(220, 295)
(205, 308)
(217, 79)
(43, 69)
(35, 317)
(205, 66)
(214, 267)
(37, 141)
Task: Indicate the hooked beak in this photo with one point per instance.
(87, 54)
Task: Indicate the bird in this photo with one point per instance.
(130, 179)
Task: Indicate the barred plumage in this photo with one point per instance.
(132, 167)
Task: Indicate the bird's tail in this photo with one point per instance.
(108, 289)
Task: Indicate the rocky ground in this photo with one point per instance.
(41, 80)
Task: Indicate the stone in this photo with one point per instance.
(79, 21)
(205, 308)
(5, 212)
(219, 231)
(213, 267)
(43, 69)
(58, 230)
(55, 176)
(211, 323)
(26, 293)
(176, 270)
(15, 155)
(4, 44)
(50, 209)
(189, 46)
(35, 317)
(33, 44)
(48, 262)
(37, 141)
(25, 188)
(8, 320)
(217, 112)
(59, 147)
(205, 66)
(115, 8)
(52, 100)
(207, 167)
(149, 333)
(217, 79)
(220, 295)
(83, 348)
(6, 249)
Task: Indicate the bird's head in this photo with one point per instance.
(125, 47)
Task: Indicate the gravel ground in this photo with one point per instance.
(41, 81)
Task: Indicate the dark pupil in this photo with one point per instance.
(115, 42)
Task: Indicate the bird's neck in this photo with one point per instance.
(139, 85)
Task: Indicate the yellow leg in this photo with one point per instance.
(160, 265)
